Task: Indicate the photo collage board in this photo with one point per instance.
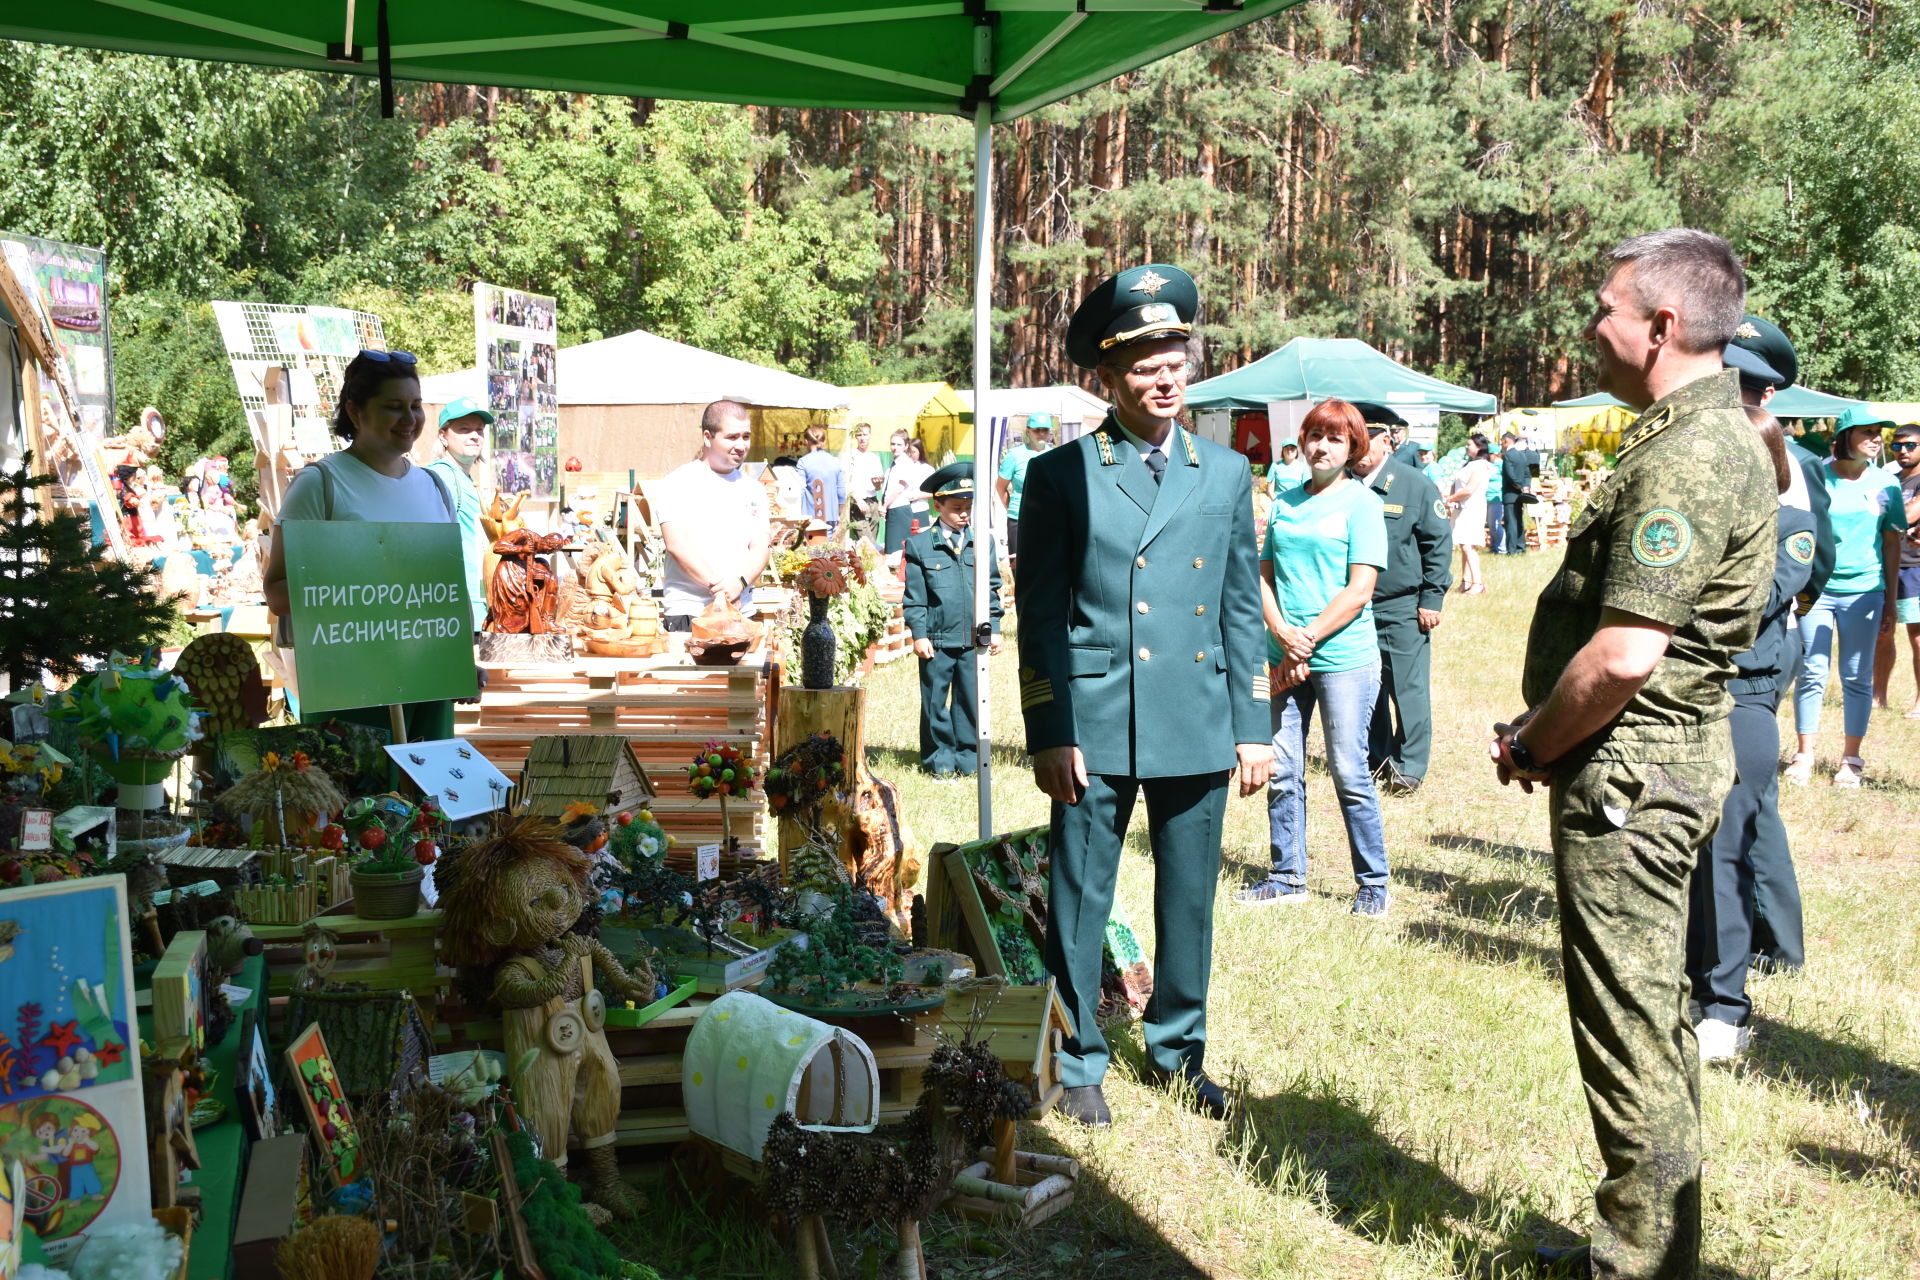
(514, 334)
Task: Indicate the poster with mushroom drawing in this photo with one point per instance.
(71, 1105)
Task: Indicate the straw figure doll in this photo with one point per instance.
(288, 800)
(510, 903)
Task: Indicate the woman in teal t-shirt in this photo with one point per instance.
(1326, 544)
(1869, 519)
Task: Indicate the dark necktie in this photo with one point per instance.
(1156, 463)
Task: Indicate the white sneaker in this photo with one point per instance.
(1852, 769)
(1720, 1041)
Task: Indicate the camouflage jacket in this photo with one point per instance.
(1682, 534)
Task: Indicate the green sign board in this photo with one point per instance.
(380, 613)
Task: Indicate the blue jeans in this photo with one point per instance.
(1347, 698)
(1855, 621)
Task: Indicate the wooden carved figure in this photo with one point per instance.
(619, 621)
(524, 596)
(500, 517)
(510, 905)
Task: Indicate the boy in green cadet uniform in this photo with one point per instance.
(1142, 671)
(939, 615)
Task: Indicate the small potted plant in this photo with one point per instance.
(386, 879)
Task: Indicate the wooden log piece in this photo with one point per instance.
(842, 712)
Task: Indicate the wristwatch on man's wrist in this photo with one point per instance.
(1522, 758)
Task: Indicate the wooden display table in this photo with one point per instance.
(666, 706)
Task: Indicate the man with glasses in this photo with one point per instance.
(1906, 469)
(1142, 671)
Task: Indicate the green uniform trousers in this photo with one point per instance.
(1406, 665)
(949, 737)
(1626, 836)
(1184, 817)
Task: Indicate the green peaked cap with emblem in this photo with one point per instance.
(955, 480)
(1763, 338)
(1141, 303)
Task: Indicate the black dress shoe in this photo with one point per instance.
(1574, 1261)
(1085, 1104)
(1208, 1098)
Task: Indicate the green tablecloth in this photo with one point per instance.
(222, 1146)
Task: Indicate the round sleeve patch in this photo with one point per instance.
(1801, 546)
(1662, 538)
(1440, 507)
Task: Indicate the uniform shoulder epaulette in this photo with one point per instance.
(1646, 429)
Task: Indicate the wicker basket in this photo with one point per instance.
(387, 895)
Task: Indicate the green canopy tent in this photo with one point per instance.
(988, 60)
(1319, 369)
(1794, 402)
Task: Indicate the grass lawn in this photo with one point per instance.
(1411, 1102)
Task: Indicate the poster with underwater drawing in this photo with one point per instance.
(71, 1109)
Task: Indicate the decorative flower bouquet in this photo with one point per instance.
(817, 571)
(805, 773)
(843, 581)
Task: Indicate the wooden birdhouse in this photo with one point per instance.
(583, 768)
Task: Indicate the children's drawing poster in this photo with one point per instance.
(71, 1106)
(514, 336)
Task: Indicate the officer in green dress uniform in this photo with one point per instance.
(1142, 671)
(1625, 681)
(1768, 365)
(1407, 599)
(938, 607)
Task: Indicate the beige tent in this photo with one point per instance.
(633, 403)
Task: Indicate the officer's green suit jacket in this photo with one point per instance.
(1141, 638)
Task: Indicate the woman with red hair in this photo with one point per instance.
(1326, 544)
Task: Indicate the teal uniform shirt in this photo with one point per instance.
(1013, 469)
(1860, 511)
(473, 543)
(938, 604)
(1313, 540)
(1140, 627)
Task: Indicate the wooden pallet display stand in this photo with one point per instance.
(666, 707)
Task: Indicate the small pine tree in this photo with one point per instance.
(61, 601)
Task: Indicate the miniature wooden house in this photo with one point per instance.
(583, 768)
(382, 1038)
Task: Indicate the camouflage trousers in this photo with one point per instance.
(1626, 835)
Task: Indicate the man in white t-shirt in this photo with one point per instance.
(866, 475)
(714, 519)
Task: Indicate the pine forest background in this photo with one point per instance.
(1437, 177)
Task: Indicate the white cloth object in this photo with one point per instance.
(904, 481)
(720, 514)
(361, 493)
(865, 473)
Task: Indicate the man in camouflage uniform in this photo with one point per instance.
(1665, 575)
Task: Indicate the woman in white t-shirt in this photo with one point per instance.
(380, 415)
(904, 495)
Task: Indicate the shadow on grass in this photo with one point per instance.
(1495, 900)
(1858, 1166)
(1484, 946)
(1010, 763)
(1840, 1070)
(1490, 848)
(1313, 1141)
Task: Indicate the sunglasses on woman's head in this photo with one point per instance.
(386, 357)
